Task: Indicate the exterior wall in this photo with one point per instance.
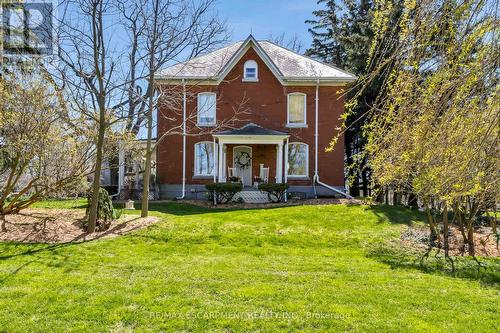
(265, 103)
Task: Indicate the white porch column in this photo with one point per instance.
(221, 161)
(121, 166)
(286, 161)
(224, 162)
(279, 163)
(215, 162)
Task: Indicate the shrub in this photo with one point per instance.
(105, 211)
(275, 192)
(224, 192)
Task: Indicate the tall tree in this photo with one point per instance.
(343, 35)
(162, 32)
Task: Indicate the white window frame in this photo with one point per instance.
(307, 161)
(198, 109)
(304, 123)
(250, 64)
(196, 161)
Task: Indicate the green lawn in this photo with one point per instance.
(308, 268)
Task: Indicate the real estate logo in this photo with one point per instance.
(27, 28)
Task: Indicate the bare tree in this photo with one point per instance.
(162, 32)
(292, 43)
(91, 73)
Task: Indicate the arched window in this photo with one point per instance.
(250, 71)
(204, 164)
(296, 110)
(206, 109)
(298, 160)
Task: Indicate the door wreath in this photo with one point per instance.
(243, 160)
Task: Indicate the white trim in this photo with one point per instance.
(250, 64)
(251, 139)
(307, 161)
(195, 173)
(198, 109)
(304, 123)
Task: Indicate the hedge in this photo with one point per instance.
(224, 192)
(275, 192)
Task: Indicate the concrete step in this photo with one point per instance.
(252, 197)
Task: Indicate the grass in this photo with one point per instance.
(307, 268)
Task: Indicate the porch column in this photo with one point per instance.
(279, 163)
(221, 161)
(286, 161)
(215, 162)
(224, 163)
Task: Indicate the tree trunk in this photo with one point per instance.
(470, 239)
(147, 171)
(4, 223)
(94, 199)
(445, 231)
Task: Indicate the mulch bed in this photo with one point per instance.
(321, 201)
(64, 226)
(417, 237)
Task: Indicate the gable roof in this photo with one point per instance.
(286, 65)
(251, 129)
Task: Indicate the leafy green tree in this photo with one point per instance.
(434, 128)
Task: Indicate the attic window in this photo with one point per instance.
(251, 71)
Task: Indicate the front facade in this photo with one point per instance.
(250, 112)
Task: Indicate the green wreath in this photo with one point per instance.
(243, 160)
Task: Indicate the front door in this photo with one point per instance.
(242, 161)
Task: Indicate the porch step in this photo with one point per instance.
(252, 196)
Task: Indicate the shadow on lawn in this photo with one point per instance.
(484, 270)
(396, 214)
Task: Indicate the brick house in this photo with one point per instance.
(289, 108)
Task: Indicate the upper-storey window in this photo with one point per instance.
(296, 110)
(206, 109)
(251, 71)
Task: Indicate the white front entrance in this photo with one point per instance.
(242, 161)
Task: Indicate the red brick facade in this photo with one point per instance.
(266, 102)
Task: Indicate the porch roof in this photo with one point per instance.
(251, 129)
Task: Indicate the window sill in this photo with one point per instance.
(203, 177)
(298, 177)
(249, 80)
(296, 126)
(206, 125)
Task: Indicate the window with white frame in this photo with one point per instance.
(204, 159)
(206, 109)
(296, 109)
(298, 160)
(251, 71)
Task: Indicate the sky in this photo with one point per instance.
(265, 17)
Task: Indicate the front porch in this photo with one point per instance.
(251, 154)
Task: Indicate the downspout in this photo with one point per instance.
(183, 140)
(315, 177)
(316, 134)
